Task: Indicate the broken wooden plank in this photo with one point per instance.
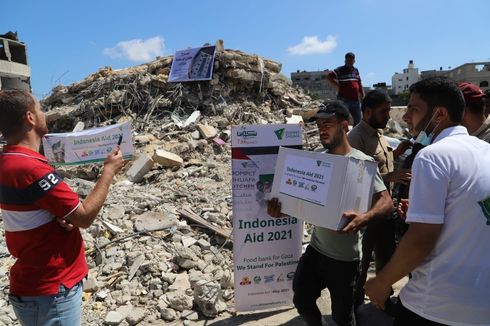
(135, 266)
(188, 213)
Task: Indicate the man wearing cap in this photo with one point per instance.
(475, 119)
(348, 82)
(447, 246)
(368, 137)
(332, 258)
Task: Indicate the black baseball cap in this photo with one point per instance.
(330, 109)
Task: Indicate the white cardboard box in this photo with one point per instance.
(318, 187)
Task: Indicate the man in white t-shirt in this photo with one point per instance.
(447, 245)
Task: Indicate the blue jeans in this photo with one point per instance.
(62, 309)
(354, 109)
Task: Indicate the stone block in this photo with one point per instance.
(207, 131)
(113, 318)
(167, 159)
(151, 221)
(140, 167)
(79, 126)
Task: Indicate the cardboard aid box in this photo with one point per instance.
(318, 187)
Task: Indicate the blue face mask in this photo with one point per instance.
(423, 138)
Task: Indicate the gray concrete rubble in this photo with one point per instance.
(160, 250)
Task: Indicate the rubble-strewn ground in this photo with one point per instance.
(149, 263)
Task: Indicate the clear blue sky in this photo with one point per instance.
(68, 40)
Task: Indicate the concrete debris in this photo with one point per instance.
(207, 131)
(140, 167)
(161, 247)
(209, 298)
(179, 301)
(168, 314)
(167, 159)
(136, 315)
(113, 318)
(79, 126)
(90, 285)
(153, 221)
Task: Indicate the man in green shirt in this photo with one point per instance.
(332, 258)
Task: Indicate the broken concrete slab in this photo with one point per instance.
(140, 167)
(167, 159)
(207, 131)
(152, 221)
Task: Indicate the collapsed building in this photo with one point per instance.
(160, 250)
(15, 72)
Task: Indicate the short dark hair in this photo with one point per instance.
(441, 91)
(476, 107)
(350, 55)
(13, 106)
(373, 99)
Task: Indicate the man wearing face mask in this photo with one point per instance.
(447, 246)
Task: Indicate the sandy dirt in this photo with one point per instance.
(368, 315)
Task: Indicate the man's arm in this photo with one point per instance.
(87, 211)
(415, 246)
(401, 148)
(361, 89)
(332, 79)
(382, 206)
(402, 176)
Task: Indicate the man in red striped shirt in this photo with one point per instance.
(348, 82)
(41, 216)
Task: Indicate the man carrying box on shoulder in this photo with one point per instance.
(332, 258)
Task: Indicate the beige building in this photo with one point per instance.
(477, 73)
(15, 72)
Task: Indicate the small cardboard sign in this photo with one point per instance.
(88, 146)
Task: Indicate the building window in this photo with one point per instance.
(484, 83)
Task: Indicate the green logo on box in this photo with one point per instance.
(485, 207)
(279, 133)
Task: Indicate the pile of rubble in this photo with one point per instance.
(160, 250)
(244, 89)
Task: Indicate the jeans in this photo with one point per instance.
(316, 272)
(354, 109)
(62, 309)
(406, 317)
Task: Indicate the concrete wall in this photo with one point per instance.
(315, 83)
(15, 72)
(477, 73)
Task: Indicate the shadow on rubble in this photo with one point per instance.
(367, 315)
